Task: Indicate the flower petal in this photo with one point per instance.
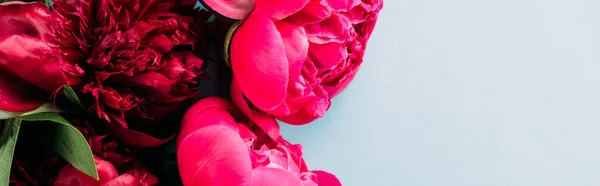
(25, 18)
(296, 45)
(326, 178)
(267, 176)
(264, 121)
(343, 5)
(278, 9)
(234, 9)
(207, 111)
(133, 137)
(314, 12)
(70, 176)
(259, 61)
(31, 59)
(212, 156)
(17, 95)
(123, 180)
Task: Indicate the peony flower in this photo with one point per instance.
(220, 146)
(133, 57)
(289, 58)
(130, 61)
(29, 66)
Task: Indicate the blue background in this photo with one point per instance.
(469, 93)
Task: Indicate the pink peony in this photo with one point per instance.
(289, 58)
(220, 146)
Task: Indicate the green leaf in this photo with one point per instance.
(70, 93)
(68, 142)
(48, 107)
(8, 141)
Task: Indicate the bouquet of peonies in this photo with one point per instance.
(128, 92)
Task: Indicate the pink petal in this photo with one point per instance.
(207, 111)
(326, 179)
(259, 61)
(314, 12)
(211, 116)
(30, 19)
(17, 95)
(267, 176)
(31, 59)
(329, 55)
(123, 180)
(264, 121)
(280, 9)
(343, 5)
(296, 47)
(234, 9)
(69, 176)
(213, 156)
(133, 137)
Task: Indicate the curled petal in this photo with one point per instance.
(314, 12)
(343, 5)
(133, 137)
(264, 121)
(214, 155)
(267, 176)
(259, 60)
(234, 9)
(296, 45)
(202, 114)
(69, 176)
(122, 180)
(32, 60)
(17, 95)
(326, 179)
(278, 9)
(30, 19)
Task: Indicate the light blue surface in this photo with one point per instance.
(469, 93)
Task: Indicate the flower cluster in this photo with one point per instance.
(128, 76)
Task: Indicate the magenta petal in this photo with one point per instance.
(343, 5)
(17, 95)
(314, 12)
(267, 176)
(207, 111)
(234, 9)
(259, 61)
(210, 116)
(133, 137)
(328, 55)
(123, 180)
(326, 179)
(212, 156)
(264, 121)
(295, 43)
(278, 9)
(31, 59)
(25, 18)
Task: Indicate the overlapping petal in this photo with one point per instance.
(258, 59)
(234, 9)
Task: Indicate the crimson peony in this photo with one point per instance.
(289, 58)
(218, 146)
(129, 60)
